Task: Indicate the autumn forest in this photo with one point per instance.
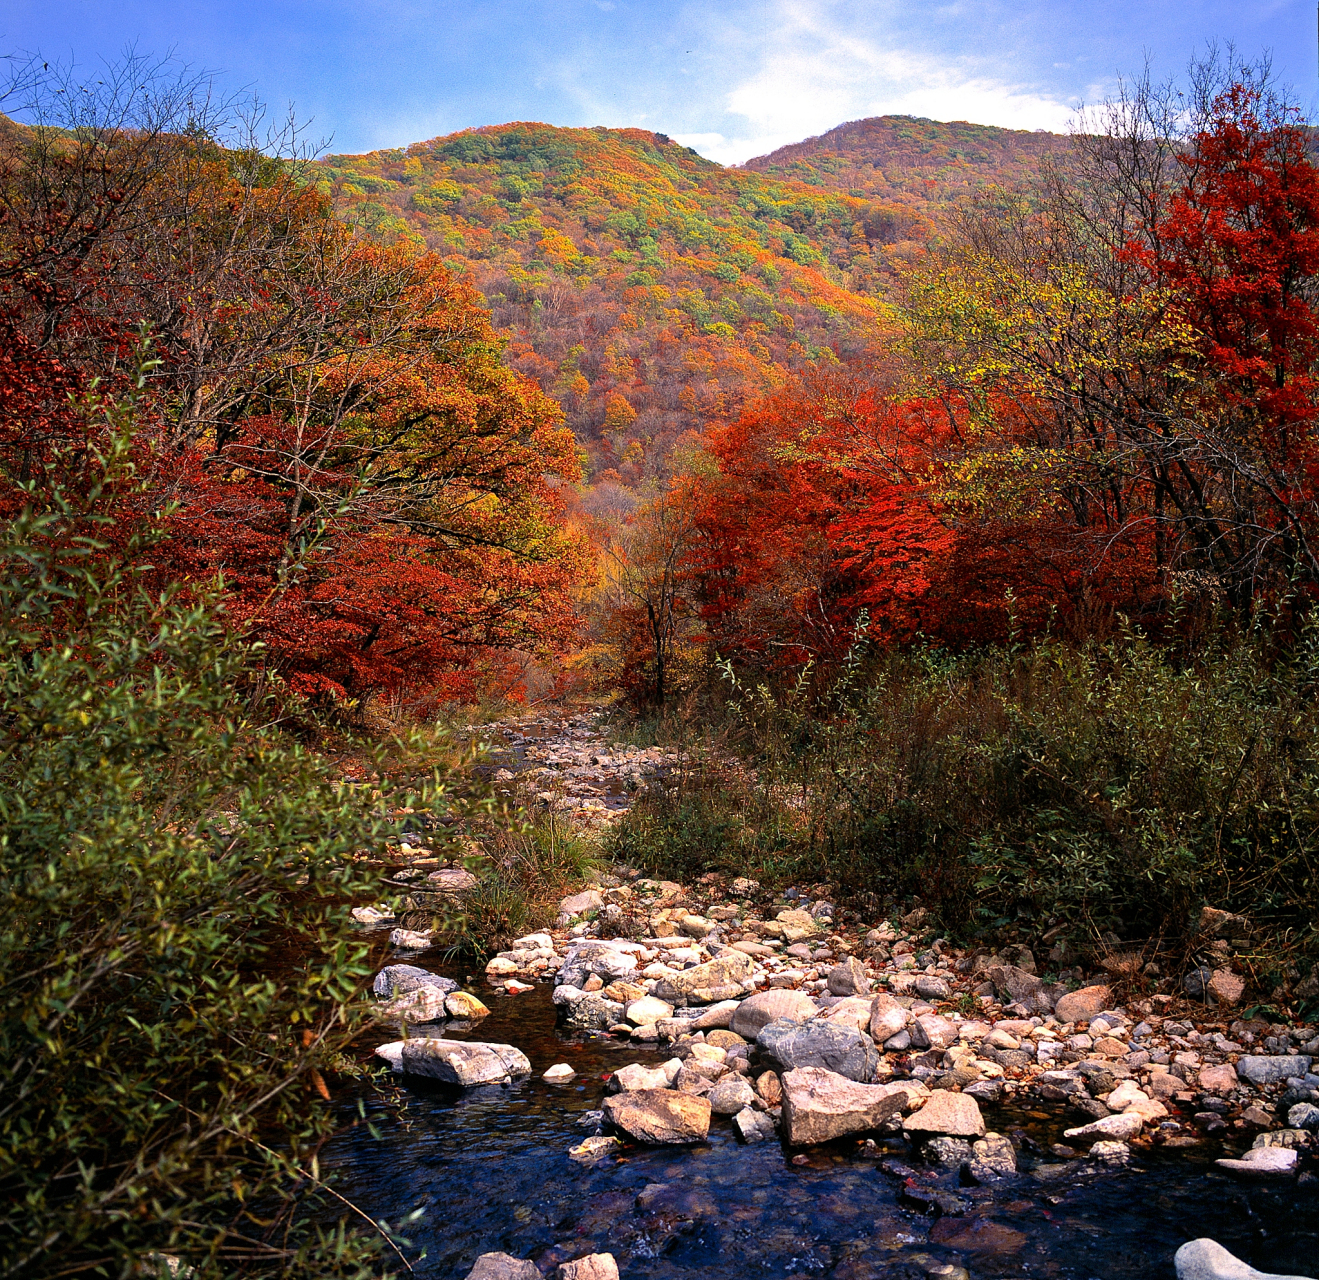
(432, 413)
(960, 482)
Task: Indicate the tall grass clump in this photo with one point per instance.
(524, 868)
(1113, 786)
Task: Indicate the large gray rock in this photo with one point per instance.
(593, 1013)
(1206, 1259)
(830, 1045)
(1263, 1069)
(396, 979)
(990, 1091)
(820, 1105)
(954, 1115)
(770, 1006)
(599, 958)
(713, 976)
(1263, 1162)
(887, 1018)
(849, 978)
(503, 1266)
(464, 1062)
(660, 1117)
(424, 1004)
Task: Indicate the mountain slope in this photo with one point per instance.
(647, 288)
(922, 164)
(652, 291)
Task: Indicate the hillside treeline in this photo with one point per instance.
(1101, 402)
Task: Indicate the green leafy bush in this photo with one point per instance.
(1109, 786)
(176, 959)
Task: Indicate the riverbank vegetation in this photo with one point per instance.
(180, 972)
(1098, 794)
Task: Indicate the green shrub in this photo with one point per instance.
(1108, 786)
(176, 959)
(525, 870)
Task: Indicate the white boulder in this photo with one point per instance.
(1206, 1259)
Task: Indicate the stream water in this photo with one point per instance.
(491, 1169)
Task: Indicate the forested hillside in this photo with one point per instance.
(652, 291)
(922, 165)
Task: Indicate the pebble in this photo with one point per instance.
(409, 940)
(1119, 1128)
(1111, 1152)
(595, 1266)
(1262, 1163)
(753, 1126)
(591, 1150)
(951, 1114)
(503, 1266)
(461, 1004)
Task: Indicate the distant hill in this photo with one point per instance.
(918, 162)
(650, 290)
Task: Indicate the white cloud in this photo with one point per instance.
(813, 73)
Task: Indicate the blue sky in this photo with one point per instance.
(733, 78)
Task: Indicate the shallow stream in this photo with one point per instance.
(491, 1168)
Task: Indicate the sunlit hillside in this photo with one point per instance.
(916, 164)
(648, 289)
(652, 291)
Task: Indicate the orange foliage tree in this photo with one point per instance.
(327, 422)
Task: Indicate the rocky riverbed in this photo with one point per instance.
(567, 763)
(774, 1022)
(500, 1167)
(747, 993)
